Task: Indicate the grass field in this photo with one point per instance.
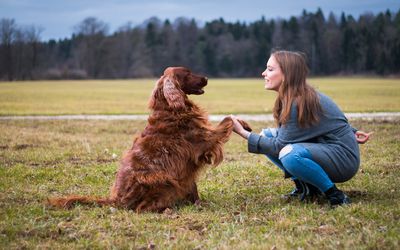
(242, 206)
(222, 96)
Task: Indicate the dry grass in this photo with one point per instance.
(224, 96)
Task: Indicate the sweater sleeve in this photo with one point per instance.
(264, 145)
(259, 144)
(291, 132)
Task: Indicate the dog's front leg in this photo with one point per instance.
(193, 195)
(225, 128)
(219, 136)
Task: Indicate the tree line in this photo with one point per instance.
(333, 45)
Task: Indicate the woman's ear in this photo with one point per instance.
(174, 96)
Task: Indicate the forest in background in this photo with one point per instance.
(334, 45)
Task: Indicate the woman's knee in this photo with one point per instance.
(291, 156)
(288, 157)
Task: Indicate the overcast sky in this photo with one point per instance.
(59, 17)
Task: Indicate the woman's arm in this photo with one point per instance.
(256, 143)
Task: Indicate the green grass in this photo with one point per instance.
(242, 208)
(222, 96)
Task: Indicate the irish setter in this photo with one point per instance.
(164, 162)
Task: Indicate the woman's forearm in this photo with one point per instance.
(244, 133)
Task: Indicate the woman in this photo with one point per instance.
(313, 142)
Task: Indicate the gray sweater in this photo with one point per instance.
(331, 142)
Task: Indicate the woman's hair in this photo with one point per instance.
(294, 88)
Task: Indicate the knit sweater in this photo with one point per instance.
(331, 141)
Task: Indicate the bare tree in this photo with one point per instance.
(91, 51)
(8, 29)
(32, 41)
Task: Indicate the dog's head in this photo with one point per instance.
(175, 84)
(184, 79)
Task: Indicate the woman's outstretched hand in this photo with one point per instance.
(238, 128)
(362, 137)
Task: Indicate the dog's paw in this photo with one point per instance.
(245, 125)
(168, 211)
(197, 203)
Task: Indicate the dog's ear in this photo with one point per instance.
(156, 94)
(173, 95)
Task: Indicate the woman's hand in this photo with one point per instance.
(362, 137)
(238, 128)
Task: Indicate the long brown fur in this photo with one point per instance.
(163, 163)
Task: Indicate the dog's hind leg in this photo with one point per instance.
(156, 205)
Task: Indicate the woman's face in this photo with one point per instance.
(273, 75)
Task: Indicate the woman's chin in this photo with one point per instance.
(269, 87)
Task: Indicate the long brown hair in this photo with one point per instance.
(294, 88)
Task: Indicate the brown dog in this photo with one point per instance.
(162, 166)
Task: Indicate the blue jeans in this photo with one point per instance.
(296, 160)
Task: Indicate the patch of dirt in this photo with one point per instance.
(23, 146)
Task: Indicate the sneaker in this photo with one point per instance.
(298, 190)
(313, 190)
(301, 191)
(304, 190)
(336, 197)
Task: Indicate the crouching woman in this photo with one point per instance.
(313, 142)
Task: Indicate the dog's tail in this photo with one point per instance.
(69, 201)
